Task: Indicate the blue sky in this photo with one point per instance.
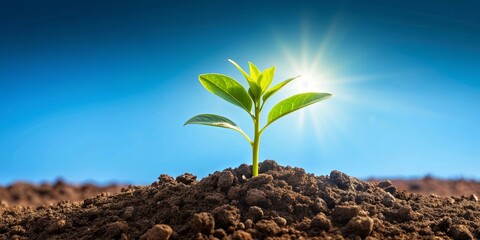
(99, 90)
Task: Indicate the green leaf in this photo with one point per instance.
(277, 87)
(254, 71)
(267, 78)
(251, 94)
(226, 88)
(256, 90)
(294, 103)
(216, 121)
(213, 120)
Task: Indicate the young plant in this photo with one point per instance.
(252, 101)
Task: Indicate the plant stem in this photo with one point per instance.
(256, 142)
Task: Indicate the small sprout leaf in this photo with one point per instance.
(254, 71)
(267, 78)
(275, 88)
(226, 88)
(294, 103)
(216, 121)
(245, 74)
(252, 82)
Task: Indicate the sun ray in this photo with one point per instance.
(331, 121)
(318, 76)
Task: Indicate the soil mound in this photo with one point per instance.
(281, 203)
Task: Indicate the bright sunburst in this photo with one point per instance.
(317, 75)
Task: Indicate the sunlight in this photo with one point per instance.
(317, 74)
(324, 66)
(313, 78)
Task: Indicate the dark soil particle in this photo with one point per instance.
(281, 203)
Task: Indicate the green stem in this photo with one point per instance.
(256, 142)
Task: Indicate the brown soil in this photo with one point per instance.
(282, 202)
(441, 187)
(26, 194)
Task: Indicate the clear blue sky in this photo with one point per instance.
(99, 90)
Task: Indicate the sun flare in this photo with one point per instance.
(317, 75)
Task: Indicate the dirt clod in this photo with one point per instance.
(405, 213)
(359, 226)
(256, 197)
(158, 232)
(225, 180)
(241, 235)
(388, 200)
(340, 179)
(165, 178)
(280, 221)
(321, 222)
(443, 225)
(248, 223)
(261, 179)
(56, 225)
(226, 216)
(187, 179)
(343, 214)
(387, 186)
(267, 228)
(461, 232)
(129, 211)
(255, 213)
(203, 223)
(115, 229)
(220, 233)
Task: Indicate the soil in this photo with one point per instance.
(27, 194)
(281, 203)
(441, 187)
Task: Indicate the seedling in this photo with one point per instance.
(252, 101)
